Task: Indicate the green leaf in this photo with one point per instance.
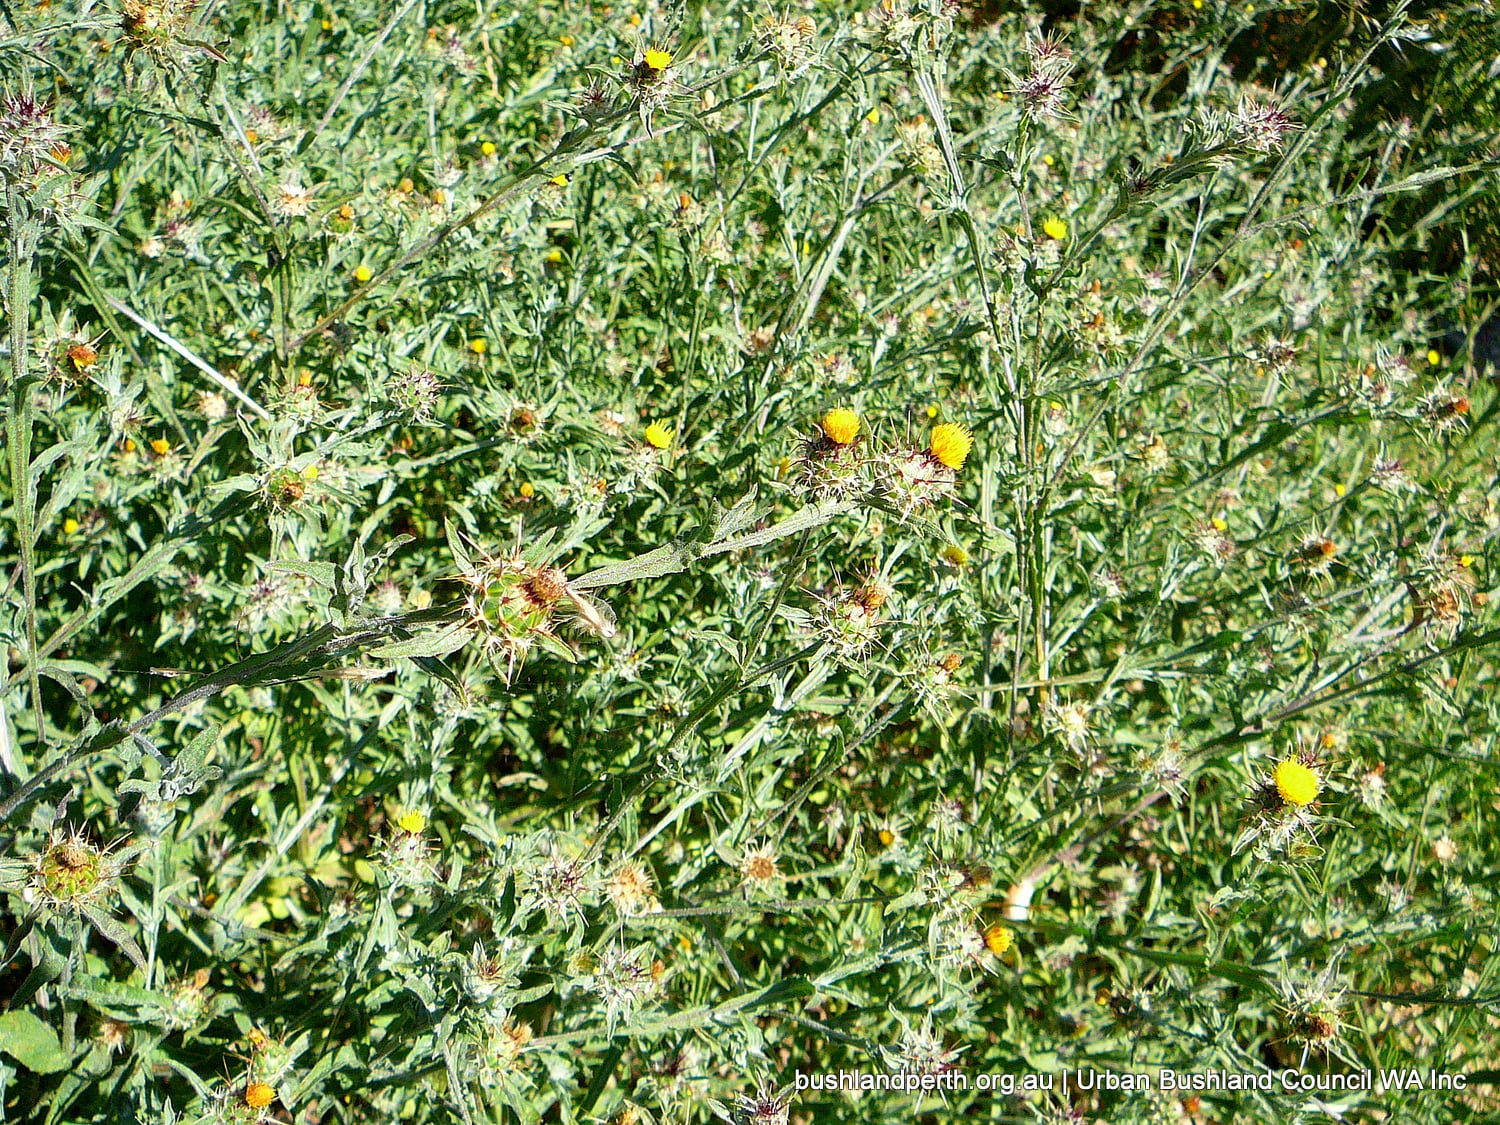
(31, 1043)
(435, 643)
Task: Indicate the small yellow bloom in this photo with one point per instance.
(479, 345)
(527, 490)
(873, 117)
(886, 837)
(1297, 784)
(258, 1095)
(657, 59)
(362, 274)
(998, 939)
(1433, 358)
(565, 40)
(954, 555)
(412, 821)
(1055, 229)
(950, 443)
(554, 256)
(1048, 160)
(658, 436)
(1340, 491)
(304, 378)
(130, 446)
(1219, 525)
(561, 179)
(70, 526)
(487, 149)
(406, 187)
(1466, 561)
(310, 473)
(932, 412)
(840, 426)
(161, 447)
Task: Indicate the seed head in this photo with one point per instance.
(759, 867)
(71, 871)
(1260, 128)
(631, 890)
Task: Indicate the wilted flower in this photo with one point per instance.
(632, 891)
(1260, 128)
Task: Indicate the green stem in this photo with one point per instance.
(18, 430)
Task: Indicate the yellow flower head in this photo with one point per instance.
(657, 59)
(363, 274)
(950, 443)
(997, 939)
(70, 526)
(161, 446)
(412, 821)
(487, 148)
(954, 555)
(479, 345)
(1296, 784)
(1055, 229)
(840, 426)
(658, 436)
(258, 1095)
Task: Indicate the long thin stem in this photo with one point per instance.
(18, 429)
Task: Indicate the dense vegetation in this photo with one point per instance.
(578, 562)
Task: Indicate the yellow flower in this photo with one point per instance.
(997, 939)
(658, 436)
(527, 490)
(70, 526)
(554, 256)
(488, 148)
(1433, 358)
(657, 59)
(561, 179)
(310, 473)
(258, 1095)
(840, 426)
(362, 274)
(1055, 229)
(479, 345)
(954, 555)
(950, 443)
(1297, 784)
(129, 446)
(161, 446)
(411, 821)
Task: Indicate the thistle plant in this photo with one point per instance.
(589, 563)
